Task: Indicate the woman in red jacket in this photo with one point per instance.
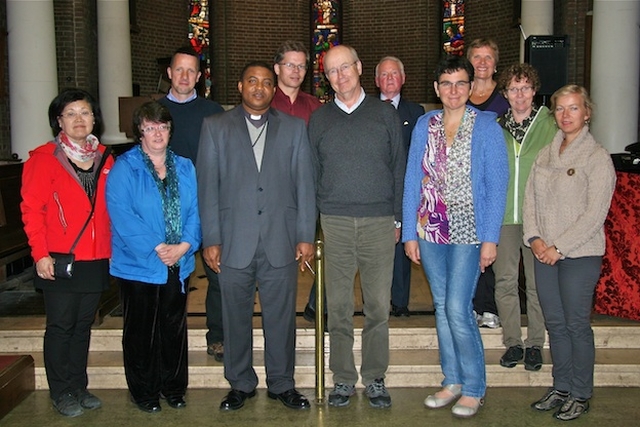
(59, 183)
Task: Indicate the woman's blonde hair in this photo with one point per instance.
(570, 90)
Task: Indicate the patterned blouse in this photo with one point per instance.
(446, 214)
(519, 130)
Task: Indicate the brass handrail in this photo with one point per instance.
(320, 321)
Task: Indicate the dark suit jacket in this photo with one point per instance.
(239, 204)
(409, 113)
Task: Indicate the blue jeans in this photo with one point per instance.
(452, 271)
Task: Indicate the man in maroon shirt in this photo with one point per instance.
(291, 62)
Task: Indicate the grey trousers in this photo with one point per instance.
(566, 294)
(277, 287)
(506, 269)
(364, 244)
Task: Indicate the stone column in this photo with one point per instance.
(615, 72)
(114, 64)
(33, 75)
(536, 19)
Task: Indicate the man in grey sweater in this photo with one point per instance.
(359, 158)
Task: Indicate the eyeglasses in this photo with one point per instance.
(71, 115)
(150, 130)
(447, 85)
(523, 90)
(342, 69)
(291, 67)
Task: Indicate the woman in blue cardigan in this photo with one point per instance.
(454, 200)
(151, 197)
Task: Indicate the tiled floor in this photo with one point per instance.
(611, 407)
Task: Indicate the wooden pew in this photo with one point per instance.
(13, 240)
(17, 381)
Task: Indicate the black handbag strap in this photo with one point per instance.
(105, 155)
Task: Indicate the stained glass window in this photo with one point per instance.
(326, 24)
(453, 27)
(199, 38)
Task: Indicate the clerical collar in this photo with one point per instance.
(171, 97)
(255, 120)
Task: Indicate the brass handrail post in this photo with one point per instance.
(320, 321)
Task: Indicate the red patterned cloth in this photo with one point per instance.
(618, 291)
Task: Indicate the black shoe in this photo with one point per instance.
(512, 356)
(552, 399)
(291, 399)
(533, 358)
(150, 406)
(86, 399)
(309, 314)
(572, 409)
(235, 399)
(176, 402)
(399, 311)
(67, 405)
(216, 350)
(378, 394)
(341, 393)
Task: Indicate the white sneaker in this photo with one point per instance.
(490, 320)
(478, 317)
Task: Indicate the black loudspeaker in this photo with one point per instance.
(549, 55)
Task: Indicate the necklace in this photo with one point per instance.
(486, 89)
(451, 131)
(479, 94)
(264, 126)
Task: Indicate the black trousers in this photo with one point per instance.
(66, 339)
(213, 306)
(401, 285)
(485, 299)
(154, 338)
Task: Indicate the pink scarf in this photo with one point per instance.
(77, 152)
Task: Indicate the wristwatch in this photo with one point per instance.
(398, 224)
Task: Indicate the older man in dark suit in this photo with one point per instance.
(257, 207)
(390, 78)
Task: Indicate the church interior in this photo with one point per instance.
(118, 51)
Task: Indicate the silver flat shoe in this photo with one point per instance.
(464, 411)
(434, 402)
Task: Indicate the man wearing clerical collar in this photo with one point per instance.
(257, 207)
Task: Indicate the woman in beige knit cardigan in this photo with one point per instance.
(566, 202)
